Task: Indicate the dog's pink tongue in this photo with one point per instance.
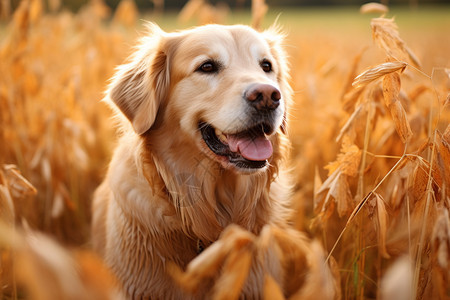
(251, 148)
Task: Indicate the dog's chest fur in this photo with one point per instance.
(162, 216)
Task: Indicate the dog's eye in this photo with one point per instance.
(208, 67)
(266, 66)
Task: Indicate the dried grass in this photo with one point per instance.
(259, 10)
(373, 7)
(371, 163)
(203, 12)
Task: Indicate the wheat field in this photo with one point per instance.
(369, 129)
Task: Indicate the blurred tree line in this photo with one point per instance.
(146, 5)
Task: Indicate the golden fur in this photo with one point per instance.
(165, 190)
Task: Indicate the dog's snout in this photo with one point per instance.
(263, 96)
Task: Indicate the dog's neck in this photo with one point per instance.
(206, 197)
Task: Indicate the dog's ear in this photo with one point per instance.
(275, 39)
(139, 87)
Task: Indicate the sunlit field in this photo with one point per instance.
(369, 129)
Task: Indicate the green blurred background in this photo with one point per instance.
(173, 5)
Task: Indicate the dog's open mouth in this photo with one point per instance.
(249, 149)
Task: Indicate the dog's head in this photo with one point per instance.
(223, 87)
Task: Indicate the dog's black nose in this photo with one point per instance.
(263, 96)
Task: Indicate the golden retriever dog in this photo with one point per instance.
(202, 147)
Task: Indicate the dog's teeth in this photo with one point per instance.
(223, 138)
(220, 135)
